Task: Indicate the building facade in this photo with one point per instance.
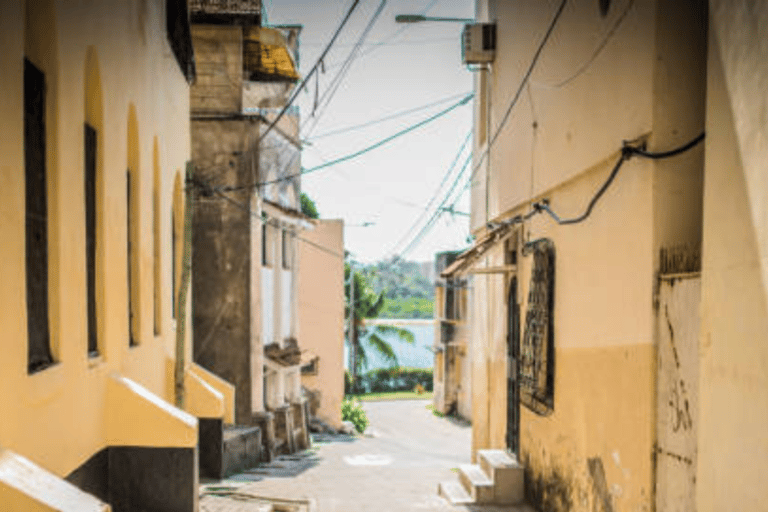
(619, 271)
(321, 318)
(95, 142)
(452, 375)
(247, 219)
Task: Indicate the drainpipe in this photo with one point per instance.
(181, 320)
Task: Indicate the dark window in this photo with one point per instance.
(129, 257)
(264, 242)
(537, 354)
(286, 249)
(91, 140)
(180, 37)
(450, 299)
(38, 330)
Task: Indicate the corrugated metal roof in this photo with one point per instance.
(266, 55)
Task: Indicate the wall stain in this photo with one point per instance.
(602, 501)
(678, 398)
(677, 457)
(548, 488)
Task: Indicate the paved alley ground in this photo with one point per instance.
(396, 466)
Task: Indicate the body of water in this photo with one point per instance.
(418, 355)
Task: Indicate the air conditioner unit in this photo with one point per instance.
(478, 43)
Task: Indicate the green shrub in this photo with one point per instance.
(352, 410)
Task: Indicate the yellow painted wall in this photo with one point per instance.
(733, 414)
(58, 417)
(321, 313)
(561, 142)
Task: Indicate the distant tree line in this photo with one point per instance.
(408, 292)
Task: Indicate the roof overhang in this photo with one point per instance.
(464, 262)
(287, 215)
(267, 56)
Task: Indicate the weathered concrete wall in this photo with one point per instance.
(321, 314)
(219, 61)
(224, 247)
(733, 420)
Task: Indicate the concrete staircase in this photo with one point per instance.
(497, 479)
(242, 449)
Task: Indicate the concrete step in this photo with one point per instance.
(26, 486)
(507, 475)
(241, 450)
(476, 483)
(455, 493)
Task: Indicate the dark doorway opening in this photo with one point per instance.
(513, 354)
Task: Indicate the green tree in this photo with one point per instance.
(308, 207)
(364, 338)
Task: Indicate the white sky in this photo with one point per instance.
(389, 186)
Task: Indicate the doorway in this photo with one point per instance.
(513, 353)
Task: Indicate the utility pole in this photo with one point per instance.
(352, 328)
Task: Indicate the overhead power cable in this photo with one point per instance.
(439, 211)
(322, 103)
(521, 87)
(434, 197)
(389, 38)
(210, 190)
(388, 117)
(597, 51)
(312, 71)
(376, 145)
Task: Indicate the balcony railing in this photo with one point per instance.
(239, 7)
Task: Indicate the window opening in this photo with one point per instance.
(38, 328)
(287, 254)
(91, 144)
(129, 260)
(264, 241)
(537, 357)
(156, 268)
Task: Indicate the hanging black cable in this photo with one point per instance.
(376, 145)
(666, 154)
(627, 151)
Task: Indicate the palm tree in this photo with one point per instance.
(363, 338)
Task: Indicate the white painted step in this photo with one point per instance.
(476, 483)
(454, 493)
(507, 474)
(26, 486)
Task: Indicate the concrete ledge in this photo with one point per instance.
(137, 417)
(226, 389)
(26, 486)
(201, 399)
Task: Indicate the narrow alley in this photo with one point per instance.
(396, 466)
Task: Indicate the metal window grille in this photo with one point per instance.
(537, 354)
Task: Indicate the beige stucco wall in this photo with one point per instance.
(733, 452)
(321, 313)
(59, 417)
(560, 143)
